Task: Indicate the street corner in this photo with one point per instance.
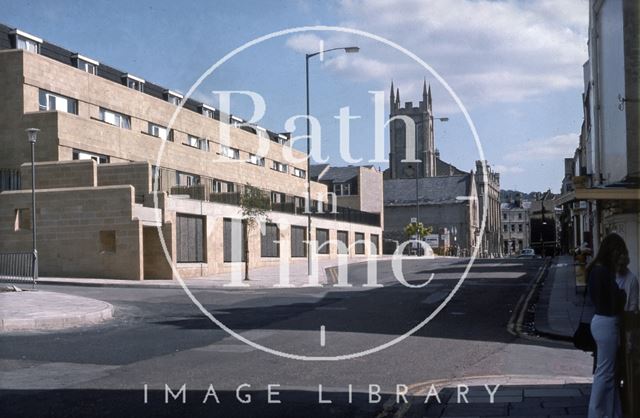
(25, 311)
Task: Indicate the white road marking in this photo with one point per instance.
(322, 336)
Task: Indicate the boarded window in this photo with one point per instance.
(233, 240)
(375, 242)
(190, 239)
(23, 219)
(269, 241)
(359, 243)
(343, 237)
(322, 236)
(298, 245)
(107, 241)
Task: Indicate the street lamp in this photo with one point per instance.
(348, 50)
(32, 135)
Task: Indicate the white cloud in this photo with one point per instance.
(489, 51)
(305, 42)
(554, 148)
(506, 169)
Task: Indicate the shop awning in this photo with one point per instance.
(599, 193)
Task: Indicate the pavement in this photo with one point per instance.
(36, 310)
(497, 396)
(560, 303)
(260, 278)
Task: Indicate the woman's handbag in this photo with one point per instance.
(582, 338)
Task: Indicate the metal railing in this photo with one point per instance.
(344, 214)
(18, 268)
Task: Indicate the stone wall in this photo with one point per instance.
(60, 174)
(82, 232)
(86, 132)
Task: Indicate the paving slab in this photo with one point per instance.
(41, 311)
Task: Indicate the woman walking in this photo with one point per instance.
(608, 300)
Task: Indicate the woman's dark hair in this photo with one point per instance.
(611, 248)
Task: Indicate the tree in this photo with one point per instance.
(254, 204)
(417, 229)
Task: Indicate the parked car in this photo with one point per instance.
(527, 253)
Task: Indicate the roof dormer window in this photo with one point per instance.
(133, 82)
(208, 111)
(173, 97)
(85, 64)
(26, 41)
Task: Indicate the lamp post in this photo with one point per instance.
(32, 135)
(349, 50)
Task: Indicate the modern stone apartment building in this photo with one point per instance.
(106, 155)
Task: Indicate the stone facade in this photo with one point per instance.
(100, 206)
(516, 226)
(488, 186)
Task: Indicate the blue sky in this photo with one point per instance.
(516, 65)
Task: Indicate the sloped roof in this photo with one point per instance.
(431, 190)
(443, 168)
(316, 170)
(334, 174)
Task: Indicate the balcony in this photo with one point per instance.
(341, 214)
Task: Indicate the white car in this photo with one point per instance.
(527, 253)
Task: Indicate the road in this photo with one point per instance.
(160, 339)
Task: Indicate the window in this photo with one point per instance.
(375, 242)
(505, 228)
(255, 160)
(173, 97)
(299, 173)
(282, 168)
(159, 131)
(298, 238)
(513, 228)
(519, 227)
(270, 241)
(229, 152)
(261, 132)
(133, 82)
(115, 118)
(277, 197)
(519, 215)
(359, 243)
(322, 236)
(23, 219)
(107, 242)
(86, 64)
(233, 240)
(51, 101)
(343, 237)
(207, 111)
(236, 122)
(190, 242)
(26, 41)
(200, 143)
(186, 179)
(504, 216)
(342, 189)
(298, 202)
(223, 187)
(83, 155)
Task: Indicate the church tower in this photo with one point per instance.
(422, 118)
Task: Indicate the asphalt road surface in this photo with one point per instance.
(159, 339)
